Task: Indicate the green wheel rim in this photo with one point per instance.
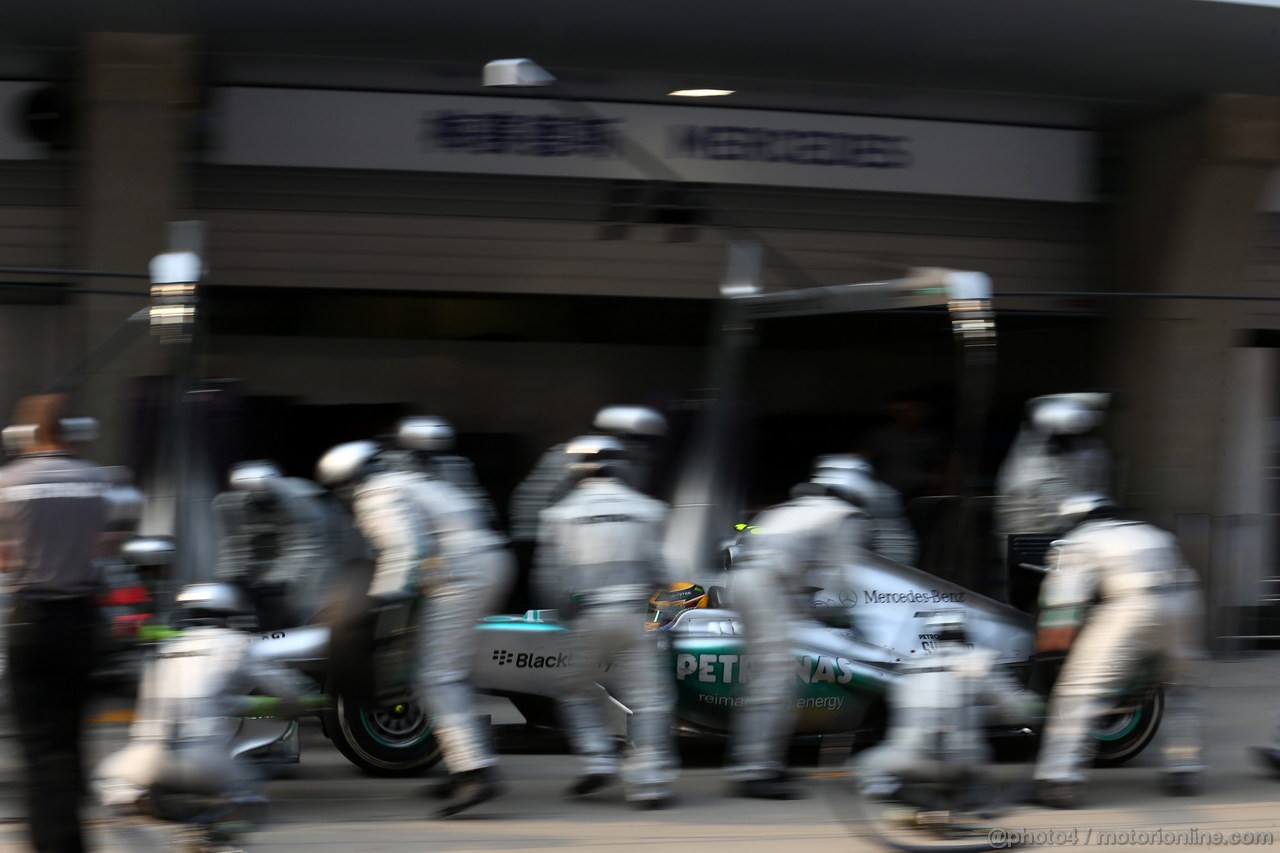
(403, 725)
(1110, 734)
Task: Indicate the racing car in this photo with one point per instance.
(866, 621)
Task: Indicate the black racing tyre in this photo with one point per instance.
(393, 739)
(1122, 736)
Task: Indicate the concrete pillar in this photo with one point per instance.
(1183, 228)
(136, 93)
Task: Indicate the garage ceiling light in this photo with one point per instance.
(700, 93)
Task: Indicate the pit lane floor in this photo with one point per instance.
(323, 805)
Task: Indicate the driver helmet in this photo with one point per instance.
(949, 627)
(1078, 508)
(426, 434)
(668, 603)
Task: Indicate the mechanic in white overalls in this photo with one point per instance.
(275, 541)
(939, 709)
(431, 541)
(891, 534)
(824, 527)
(1057, 454)
(426, 443)
(1120, 595)
(599, 559)
(193, 692)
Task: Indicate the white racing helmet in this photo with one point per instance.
(253, 476)
(426, 433)
(346, 463)
(149, 552)
(1068, 414)
(594, 455)
(1076, 508)
(845, 480)
(844, 462)
(219, 601)
(639, 421)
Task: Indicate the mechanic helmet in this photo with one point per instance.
(425, 433)
(844, 462)
(668, 603)
(124, 502)
(948, 626)
(211, 603)
(149, 552)
(1076, 509)
(1067, 414)
(594, 456)
(845, 480)
(253, 476)
(344, 465)
(630, 421)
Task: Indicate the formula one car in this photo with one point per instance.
(867, 620)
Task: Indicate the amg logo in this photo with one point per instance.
(524, 660)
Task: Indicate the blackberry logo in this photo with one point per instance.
(524, 660)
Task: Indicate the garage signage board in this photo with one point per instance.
(527, 136)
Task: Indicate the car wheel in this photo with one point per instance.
(391, 739)
(1120, 737)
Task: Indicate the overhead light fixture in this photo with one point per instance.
(699, 93)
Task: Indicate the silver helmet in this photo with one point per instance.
(844, 462)
(346, 463)
(594, 455)
(253, 476)
(149, 552)
(639, 421)
(847, 483)
(1068, 414)
(220, 600)
(1076, 508)
(426, 433)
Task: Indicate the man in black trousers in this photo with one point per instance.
(53, 507)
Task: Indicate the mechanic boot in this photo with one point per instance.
(1059, 794)
(1181, 783)
(443, 790)
(776, 787)
(651, 799)
(589, 784)
(1268, 757)
(471, 788)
